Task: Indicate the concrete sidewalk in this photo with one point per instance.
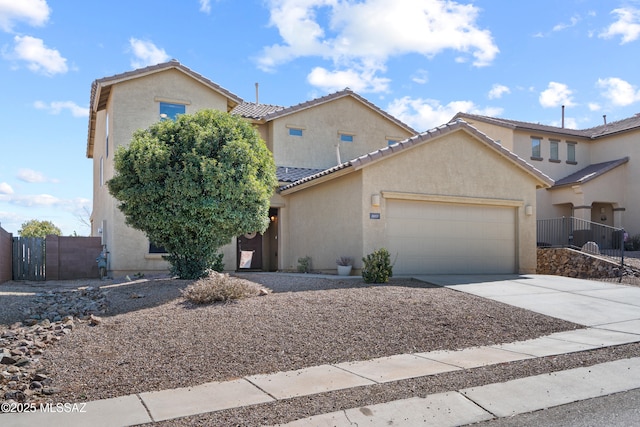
(611, 312)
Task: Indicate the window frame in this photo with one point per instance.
(554, 143)
(297, 132)
(571, 153)
(347, 137)
(167, 113)
(535, 151)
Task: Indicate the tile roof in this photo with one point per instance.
(290, 174)
(629, 123)
(390, 150)
(515, 124)
(331, 97)
(589, 173)
(101, 88)
(251, 110)
(614, 127)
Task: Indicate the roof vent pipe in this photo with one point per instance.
(563, 117)
(338, 153)
(257, 93)
(604, 116)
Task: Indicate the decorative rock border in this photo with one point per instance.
(53, 315)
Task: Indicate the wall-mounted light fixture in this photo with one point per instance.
(528, 210)
(375, 200)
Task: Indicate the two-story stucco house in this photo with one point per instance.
(352, 179)
(592, 168)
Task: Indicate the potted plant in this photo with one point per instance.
(345, 263)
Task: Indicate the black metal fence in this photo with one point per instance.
(576, 233)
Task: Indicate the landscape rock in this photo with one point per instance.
(53, 315)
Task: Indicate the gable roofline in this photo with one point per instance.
(332, 97)
(519, 125)
(101, 89)
(588, 173)
(604, 130)
(375, 156)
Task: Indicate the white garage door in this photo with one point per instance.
(445, 238)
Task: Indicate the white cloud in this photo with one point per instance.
(364, 35)
(555, 95)
(564, 25)
(35, 200)
(31, 176)
(205, 6)
(497, 90)
(5, 188)
(423, 114)
(40, 58)
(619, 92)
(146, 53)
(56, 107)
(332, 81)
(33, 12)
(421, 77)
(569, 123)
(627, 26)
(594, 106)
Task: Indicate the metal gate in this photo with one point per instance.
(29, 255)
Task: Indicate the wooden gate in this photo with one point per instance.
(29, 258)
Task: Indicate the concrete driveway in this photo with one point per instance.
(585, 302)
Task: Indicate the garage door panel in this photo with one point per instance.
(439, 238)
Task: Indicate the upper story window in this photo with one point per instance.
(554, 154)
(571, 152)
(345, 137)
(170, 111)
(536, 143)
(391, 141)
(295, 132)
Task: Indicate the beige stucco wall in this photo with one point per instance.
(617, 147)
(324, 222)
(333, 218)
(133, 105)
(321, 124)
(454, 165)
(503, 135)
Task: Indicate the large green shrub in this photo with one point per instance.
(193, 184)
(377, 267)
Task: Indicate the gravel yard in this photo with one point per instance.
(152, 339)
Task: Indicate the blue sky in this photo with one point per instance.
(420, 60)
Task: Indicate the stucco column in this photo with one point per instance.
(581, 229)
(618, 217)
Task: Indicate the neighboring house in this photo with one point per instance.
(352, 179)
(595, 177)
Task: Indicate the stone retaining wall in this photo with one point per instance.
(573, 263)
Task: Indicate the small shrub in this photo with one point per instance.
(217, 287)
(344, 260)
(634, 242)
(377, 267)
(304, 264)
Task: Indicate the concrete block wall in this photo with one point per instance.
(71, 258)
